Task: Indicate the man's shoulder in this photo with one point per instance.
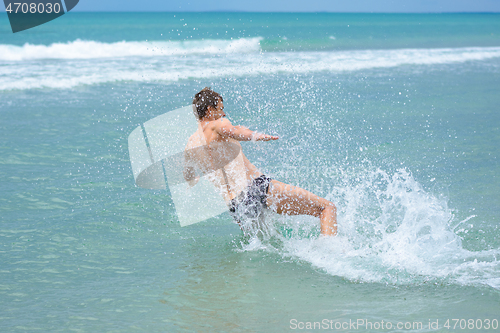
(218, 128)
(221, 122)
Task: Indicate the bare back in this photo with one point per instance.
(211, 134)
(214, 155)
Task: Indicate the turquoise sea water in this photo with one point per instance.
(395, 118)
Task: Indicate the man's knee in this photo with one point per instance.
(331, 207)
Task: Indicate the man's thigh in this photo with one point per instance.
(292, 200)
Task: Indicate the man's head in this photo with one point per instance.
(205, 99)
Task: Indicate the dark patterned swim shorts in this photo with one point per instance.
(250, 205)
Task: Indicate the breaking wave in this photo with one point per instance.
(63, 66)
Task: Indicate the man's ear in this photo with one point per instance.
(210, 109)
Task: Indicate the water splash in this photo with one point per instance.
(390, 231)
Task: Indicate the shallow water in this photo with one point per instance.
(402, 135)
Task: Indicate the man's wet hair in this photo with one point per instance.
(205, 98)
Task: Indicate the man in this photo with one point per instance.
(245, 189)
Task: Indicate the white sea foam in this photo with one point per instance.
(80, 49)
(87, 63)
(390, 231)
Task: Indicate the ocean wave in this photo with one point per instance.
(232, 59)
(81, 49)
(390, 231)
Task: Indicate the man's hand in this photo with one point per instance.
(190, 176)
(256, 136)
(193, 182)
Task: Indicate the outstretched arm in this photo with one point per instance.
(240, 133)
